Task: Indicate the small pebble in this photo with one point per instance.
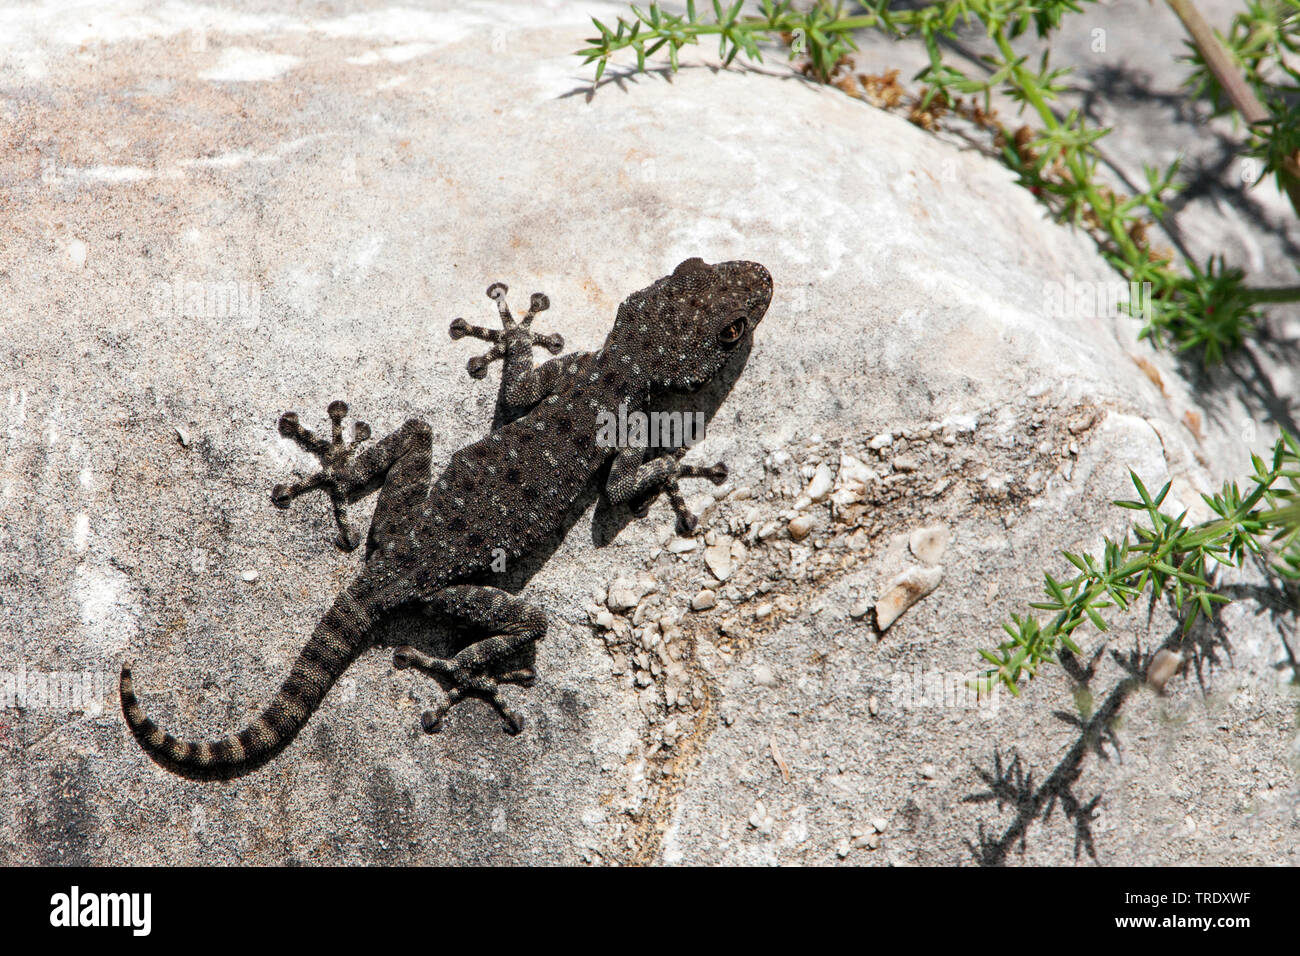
(249, 576)
(718, 558)
(623, 595)
(183, 436)
(883, 440)
(928, 771)
(873, 706)
(704, 600)
(821, 484)
(799, 527)
(859, 608)
(1164, 665)
(904, 591)
(928, 543)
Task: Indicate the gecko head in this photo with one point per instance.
(681, 330)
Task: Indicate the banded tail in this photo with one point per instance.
(341, 635)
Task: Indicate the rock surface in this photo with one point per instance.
(220, 213)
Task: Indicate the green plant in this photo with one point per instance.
(1203, 310)
(825, 28)
(1164, 557)
(1252, 71)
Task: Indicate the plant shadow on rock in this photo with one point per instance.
(1012, 783)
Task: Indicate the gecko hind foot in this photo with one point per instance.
(464, 684)
(334, 455)
(500, 338)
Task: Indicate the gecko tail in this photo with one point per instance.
(341, 635)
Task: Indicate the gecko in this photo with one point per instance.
(435, 541)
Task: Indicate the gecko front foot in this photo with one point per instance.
(334, 456)
(687, 521)
(464, 683)
(510, 330)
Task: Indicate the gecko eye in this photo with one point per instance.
(732, 333)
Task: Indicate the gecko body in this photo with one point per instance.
(436, 542)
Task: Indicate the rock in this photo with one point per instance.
(682, 545)
(800, 526)
(866, 841)
(854, 472)
(904, 591)
(250, 576)
(883, 440)
(623, 594)
(1164, 665)
(704, 600)
(717, 557)
(354, 208)
(821, 484)
(928, 543)
(859, 608)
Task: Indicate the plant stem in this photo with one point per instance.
(1286, 293)
(1235, 87)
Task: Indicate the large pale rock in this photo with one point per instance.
(216, 214)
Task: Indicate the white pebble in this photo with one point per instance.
(821, 484)
(704, 600)
(718, 558)
(928, 543)
(904, 591)
(623, 595)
